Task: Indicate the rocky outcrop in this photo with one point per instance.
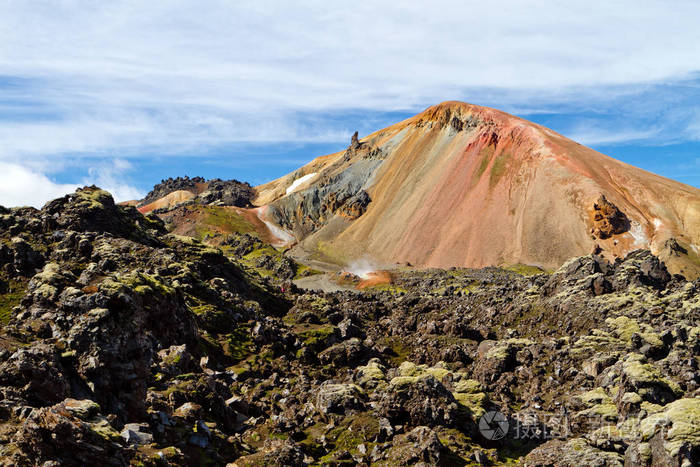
(608, 220)
(227, 193)
(214, 191)
(170, 185)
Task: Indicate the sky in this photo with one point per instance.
(123, 93)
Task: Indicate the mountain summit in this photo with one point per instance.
(465, 185)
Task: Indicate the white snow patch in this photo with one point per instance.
(637, 232)
(299, 181)
(657, 223)
(694, 247)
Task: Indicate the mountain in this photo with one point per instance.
(464, 185)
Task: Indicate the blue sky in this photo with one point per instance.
(125, 93)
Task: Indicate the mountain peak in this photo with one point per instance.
(465, 185)
(445, 112)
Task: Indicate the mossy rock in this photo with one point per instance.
(604, 411)
(648, 381)
(679, 421)
(318, 338)
(595, 397)
(371, 374)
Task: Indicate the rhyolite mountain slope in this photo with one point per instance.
(464, 185)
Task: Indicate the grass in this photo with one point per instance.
(219, 219)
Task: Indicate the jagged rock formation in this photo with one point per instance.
(184, 190)
(194, 185)
(463, 185)
(122, 344)
(608, 220)
(339, 191)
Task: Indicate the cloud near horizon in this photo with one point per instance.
(24, 186)
(94, 79)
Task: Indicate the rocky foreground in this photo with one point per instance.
(123, 344)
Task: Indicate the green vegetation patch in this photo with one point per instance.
(486, 155)
(498, 168)
(10, 296)
(219, 219)
(317, 338)
(525, 269)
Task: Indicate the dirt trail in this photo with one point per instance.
(321, 283)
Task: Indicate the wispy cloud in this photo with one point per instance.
(593, 135)
(96, 79)
(110, 176)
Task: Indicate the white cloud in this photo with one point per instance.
(103, 78)
(110, 177)
(23, 186)
(593, 135)
(20, 186)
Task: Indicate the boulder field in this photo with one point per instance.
(124, 344)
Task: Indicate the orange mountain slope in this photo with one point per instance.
(464, 185)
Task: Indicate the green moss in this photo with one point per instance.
(681, 419)
(12, 296)
(404, 382)
(372, 372)
(92, 198)
(145, 284)
(525, 269)
(643, 376)
(350, 433)
(316, 338)
(391, 288)
(213, 319)
(498, 352)
(411, 369)
(238, 344)
(475, 403)
(102, 428)
(595, 396)
(606, 411)
(400, 351)
(623, 327)
(468, 386)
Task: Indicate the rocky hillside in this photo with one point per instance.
(463, 185)
(123, 344)
(197, 190)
